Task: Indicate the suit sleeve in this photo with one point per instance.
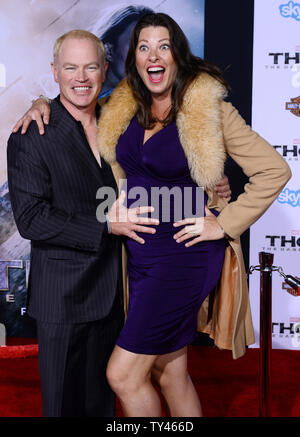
(30, 193)
(267, 171)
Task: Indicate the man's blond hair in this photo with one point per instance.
(79, 34)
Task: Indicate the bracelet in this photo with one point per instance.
(45, 98)
(42, 97)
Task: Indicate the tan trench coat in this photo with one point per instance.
(210, 130)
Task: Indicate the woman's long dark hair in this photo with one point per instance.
(188, 65)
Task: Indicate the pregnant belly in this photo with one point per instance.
(165, 260)
(171, 201)
(162, 247)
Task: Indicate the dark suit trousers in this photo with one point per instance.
(72, 364)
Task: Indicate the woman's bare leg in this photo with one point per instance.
(170, 372)
(129, 375)
(155, 378)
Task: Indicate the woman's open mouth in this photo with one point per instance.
(156, 73)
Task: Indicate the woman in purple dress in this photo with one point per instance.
(169, 275)
(167, 126)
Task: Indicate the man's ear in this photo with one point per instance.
(54, 71)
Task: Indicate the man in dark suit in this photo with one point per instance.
(75, 284)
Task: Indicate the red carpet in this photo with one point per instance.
(226, 387)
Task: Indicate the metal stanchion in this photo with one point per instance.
(266, 267)
(266, 262)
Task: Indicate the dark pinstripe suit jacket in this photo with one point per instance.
(53, 180)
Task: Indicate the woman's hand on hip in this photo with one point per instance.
(199, 229)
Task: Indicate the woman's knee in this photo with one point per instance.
(122, 380)
(170, 374)
(116, 377)
(128, 372)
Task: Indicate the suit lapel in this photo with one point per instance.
(72, 136)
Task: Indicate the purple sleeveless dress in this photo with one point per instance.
(167, 281)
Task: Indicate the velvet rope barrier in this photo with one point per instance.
(266, 268)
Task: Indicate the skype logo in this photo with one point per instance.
(290, 9)
(291, 197)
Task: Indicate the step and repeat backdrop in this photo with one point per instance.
(28, 30)
(276, 116)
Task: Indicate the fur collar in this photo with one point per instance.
(198, 123)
